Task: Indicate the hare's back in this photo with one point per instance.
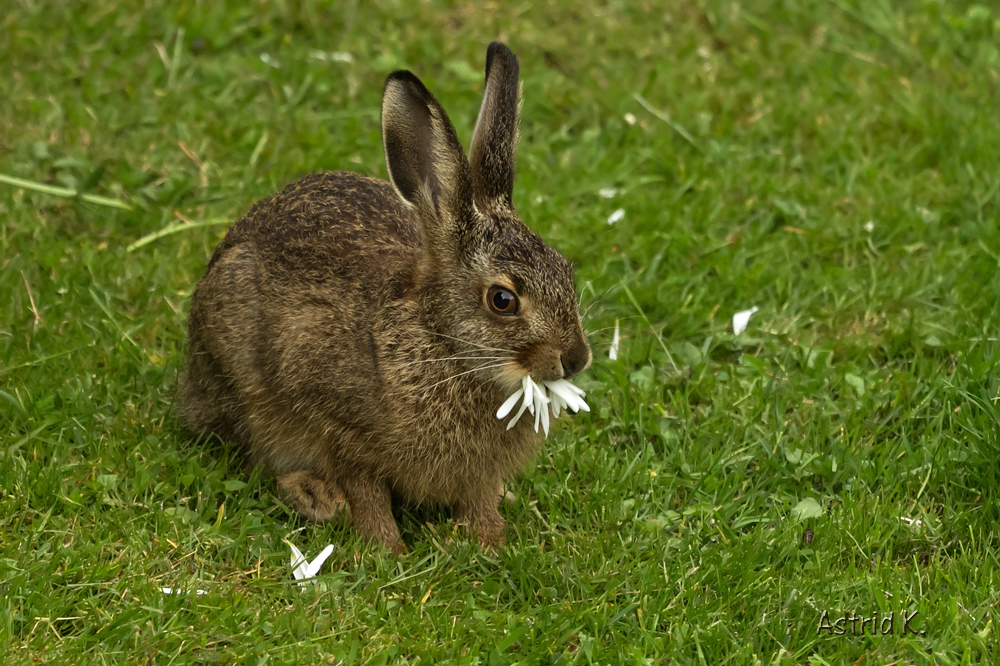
(334, 225)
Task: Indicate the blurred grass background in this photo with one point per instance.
(833, 163)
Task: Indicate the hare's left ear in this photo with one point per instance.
(425, 159)
(494, 141)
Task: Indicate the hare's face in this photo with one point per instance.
(516, 306)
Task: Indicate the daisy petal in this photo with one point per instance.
(613, 351)
(315, 565)
(299, 563)
(741, 319)
(508, 405)
(517, 416)
(559, 387)
(570, 395)
(557, 404)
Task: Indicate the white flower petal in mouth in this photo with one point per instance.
(529, 388)
(571, 396)
(508, 405)
(557, 405)
(539, 398)
(545, 420)
(525, 387)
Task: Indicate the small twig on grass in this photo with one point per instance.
(63, 192)
(31, 299)
(668, 120)
(113, 320)
(177, 227)
(41, 359)
(659, 338)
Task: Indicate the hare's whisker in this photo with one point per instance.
(477, 369)
(597, 299)
(460, 358)
(608, 328)
(475, 344)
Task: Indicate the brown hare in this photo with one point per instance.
(356, 336)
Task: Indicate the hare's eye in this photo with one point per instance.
(502, 301)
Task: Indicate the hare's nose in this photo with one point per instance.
(575, 360)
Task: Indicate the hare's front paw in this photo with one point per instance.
(482, 520)
(315, 498)
(371, 511)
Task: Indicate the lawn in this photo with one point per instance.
(832, 162)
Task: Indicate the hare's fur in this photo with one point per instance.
(341, 334)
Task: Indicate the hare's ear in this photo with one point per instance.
(494, 142)
(426, 163)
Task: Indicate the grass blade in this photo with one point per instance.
(63, 192)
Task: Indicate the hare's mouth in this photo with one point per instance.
(542, 362)
(510, 375)
(539, 399)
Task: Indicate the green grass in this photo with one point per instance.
(723, 492)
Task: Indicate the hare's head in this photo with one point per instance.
(490, 285)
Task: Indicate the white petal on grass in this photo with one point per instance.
(268, 59)
(741, 319)
(629, 118)
(302, 568)
(613, 351)
(315, 565)
(328, 56)
(869, 226)
(299, 563)
(170, 590)
(616, 216)
(608, 192)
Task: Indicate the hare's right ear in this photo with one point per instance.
(493, 152)
(426, 163)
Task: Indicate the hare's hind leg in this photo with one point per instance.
(314, 497)
(202, 395)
